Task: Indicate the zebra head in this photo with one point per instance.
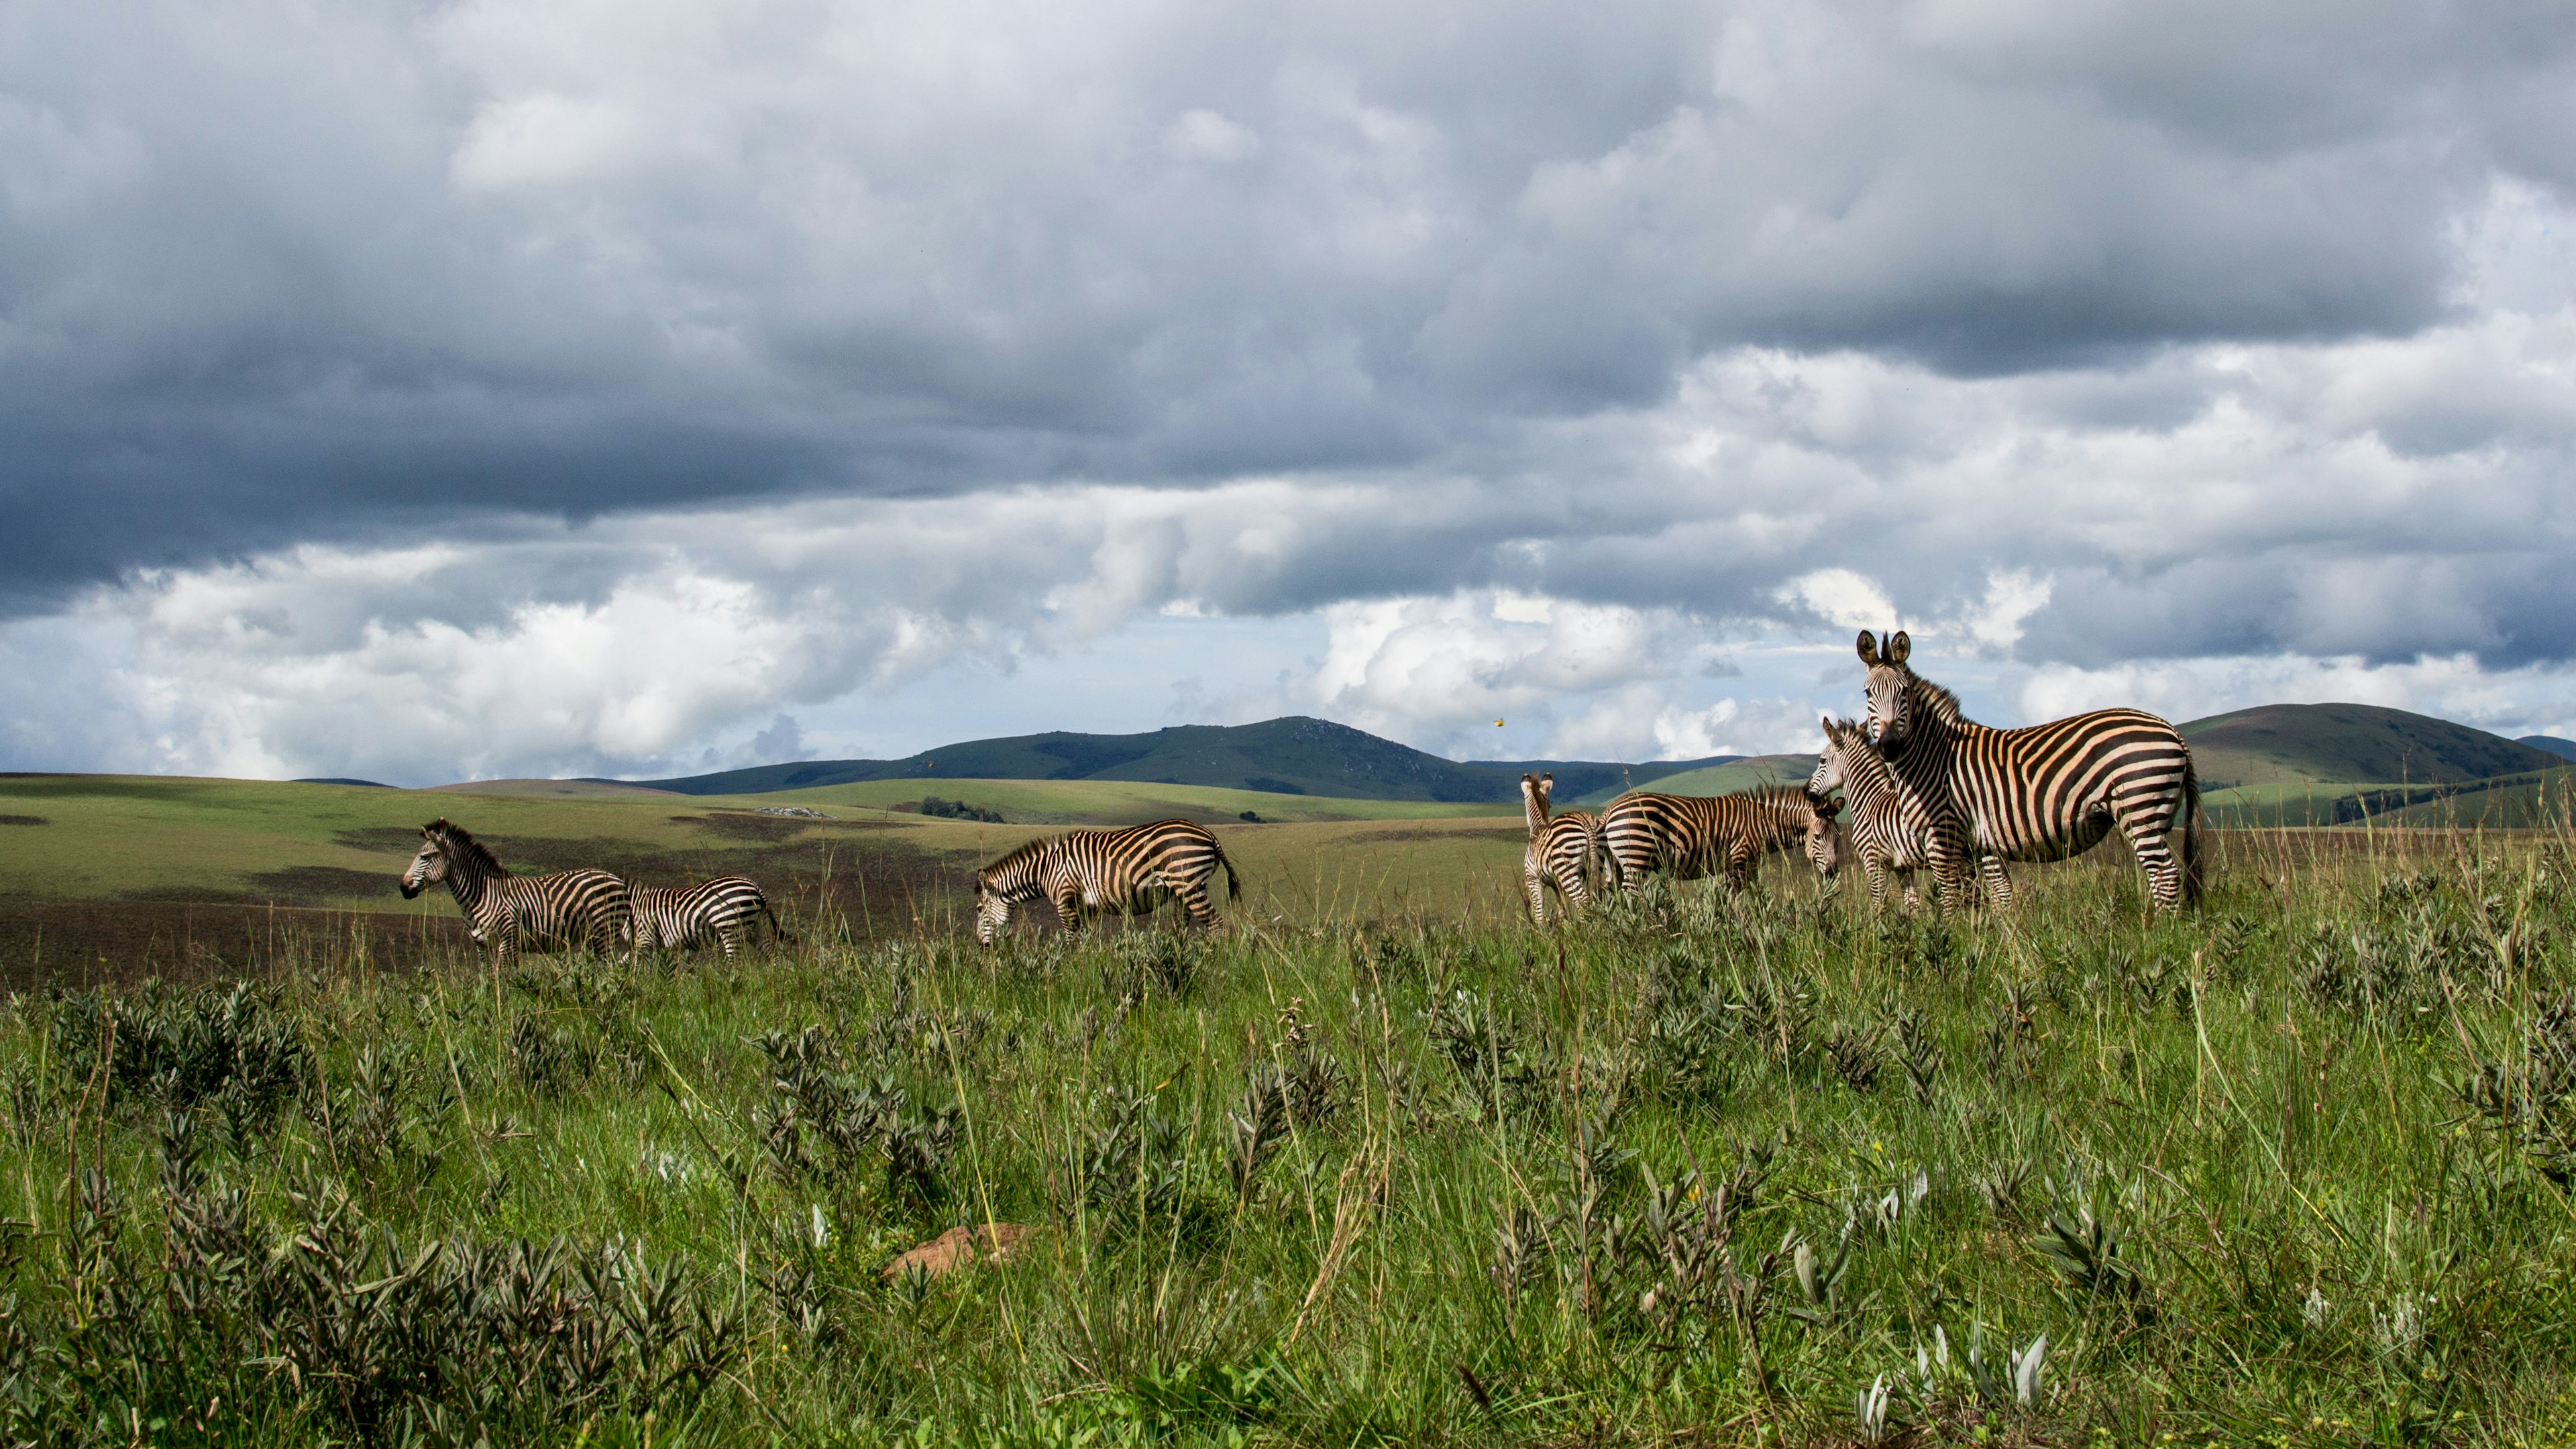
(1890, 687)
(992, 909)
(1535, 790)
(1829, 761)
(1824, 837)
(429, 867)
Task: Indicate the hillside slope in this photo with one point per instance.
(1296, 755)
(2282, 744)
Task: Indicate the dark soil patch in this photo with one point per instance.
(24, 820)
(382, 838)
(750, 825)
(310, 884)
(49, 942)
(1516, 830)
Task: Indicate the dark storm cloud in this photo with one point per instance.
(269, 275)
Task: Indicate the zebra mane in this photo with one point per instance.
(1016, 855)
(1782, 797)
(459, 845)
(1939, 701)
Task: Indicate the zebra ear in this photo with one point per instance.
(1868, 647)
(1898, 647)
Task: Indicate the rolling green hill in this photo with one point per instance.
(1292, 756)
(2286, 744)
(1720, 779)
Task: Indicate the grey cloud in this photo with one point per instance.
(278, 276)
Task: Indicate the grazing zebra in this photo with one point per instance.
(1567, 853)
(1129, 871)
(510, 913)
(721, 910)
(1691, 836)
(1889, 828)
(2044, 792)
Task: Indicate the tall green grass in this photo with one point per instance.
(2292, 1170)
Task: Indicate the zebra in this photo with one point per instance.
(1692, 836)
(505, 912)
(1128, 871)
(721, 910)
(2044, 792)
(1566, 852)
(1889, 828)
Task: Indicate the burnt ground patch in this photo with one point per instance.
(1514, 830)
(751, 825)
(45, 942)
(24, 820)
(829, 883)
(306, 885)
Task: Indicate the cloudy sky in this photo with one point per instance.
(431, 390)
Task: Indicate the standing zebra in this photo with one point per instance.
(1691, 836)
(2044, 792)
(1566, 852)
(1889, 828)
(721, 910)
(510, 913)
(1128, 871)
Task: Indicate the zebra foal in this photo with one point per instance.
(510, 913)
(2043, 792)
(1129, 871)
(722, 910)
(1890, 830)
(1690, 836)
(1567, 853)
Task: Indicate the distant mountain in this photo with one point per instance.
(1292, 756)
(2552, 743)
(335, 780)
(2280, 744)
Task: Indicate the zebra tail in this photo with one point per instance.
(1605, 863)
(775, 928)
(1233, 887)
(2191, 883)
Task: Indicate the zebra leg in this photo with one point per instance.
(2164, 873)
(1877, 875)
(1194, 900)
(729, 939)
(1998, 885)
(1532, 881)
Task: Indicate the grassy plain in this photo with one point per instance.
(1376, 1165)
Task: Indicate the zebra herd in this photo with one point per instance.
(1921, 786)
(507, 913)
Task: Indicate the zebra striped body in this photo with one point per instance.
(1690, 836)
(1567, 853)
(721, 910)
(1888, 829)
(1128, 871)
(512, 913)
(2044, 792)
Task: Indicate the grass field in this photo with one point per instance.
(1376, 1165)
(208, 874)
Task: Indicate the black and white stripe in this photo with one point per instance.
(1567, 853)
(1690, 836)
(1128, 871)
(512, 913)
(1889, 829)
(2044, 792)
(681, 918)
